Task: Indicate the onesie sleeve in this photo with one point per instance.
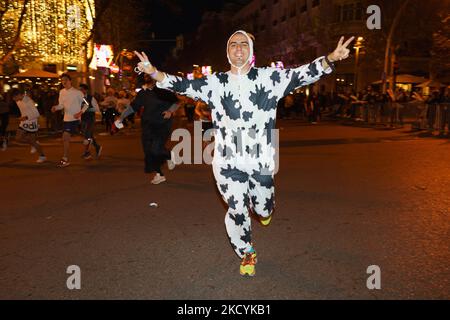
(196, 88)
(287, 80)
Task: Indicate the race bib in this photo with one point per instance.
(31, 126)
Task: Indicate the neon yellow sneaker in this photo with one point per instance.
(266, 221)
(248, 264)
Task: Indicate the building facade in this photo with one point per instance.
(297, 31)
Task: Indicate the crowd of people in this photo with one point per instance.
(371, 106)
(368, 106)
(236, 103)
(73, 111)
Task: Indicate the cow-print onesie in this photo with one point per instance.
(243, 109)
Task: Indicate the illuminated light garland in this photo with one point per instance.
(53, 31)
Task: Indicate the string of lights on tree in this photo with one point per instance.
(53, 31)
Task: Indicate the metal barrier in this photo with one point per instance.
(442, 118)
(421, 116)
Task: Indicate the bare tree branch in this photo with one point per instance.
(97, 19)
(12, 45)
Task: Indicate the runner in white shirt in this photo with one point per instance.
(28, 126)
(72, 101)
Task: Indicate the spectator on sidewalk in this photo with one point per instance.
(109, 104)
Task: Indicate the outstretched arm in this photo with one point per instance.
(196, 88)
(287, 80)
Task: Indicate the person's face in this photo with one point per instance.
(66, 82)
(83, 90)
(239, 49)
(18, 97)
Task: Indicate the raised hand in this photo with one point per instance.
(144, 65)
(341, 52)
(167, 114)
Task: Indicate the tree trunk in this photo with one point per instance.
(389, 43)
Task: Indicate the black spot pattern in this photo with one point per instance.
(234, 174)
(251, 185)
(275, 77)
(296, 81)
(247, 116)
(223, 132)
(247, 237)
(210, 104)
(229, 106)
(246, 200)
(264, 180)
(313, 72)
(260, 98)
(238, 219)
(252, 74)
(255, 201)
(232, 203)
(197, 84)
(180, 85)
(219, 116)
(270, 203)
(224, 187)
(288, 72)
(223, 78)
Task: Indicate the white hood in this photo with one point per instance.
(250, 45)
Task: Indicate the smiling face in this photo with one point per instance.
(66, 82)
(238, 50)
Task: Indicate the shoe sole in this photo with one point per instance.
(266, 222)
(63, 165)
(159, 181)
(248, 274)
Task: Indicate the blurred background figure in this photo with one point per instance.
(4, 121)
(109, 105)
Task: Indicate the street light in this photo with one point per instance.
(358, 45)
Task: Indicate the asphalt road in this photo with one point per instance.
(346, 198)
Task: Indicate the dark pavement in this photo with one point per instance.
(346, 198)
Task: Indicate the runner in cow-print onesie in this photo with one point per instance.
(243, 105)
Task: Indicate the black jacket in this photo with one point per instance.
(154, 101)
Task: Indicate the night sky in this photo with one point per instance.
(169, 18)
(172, 17)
